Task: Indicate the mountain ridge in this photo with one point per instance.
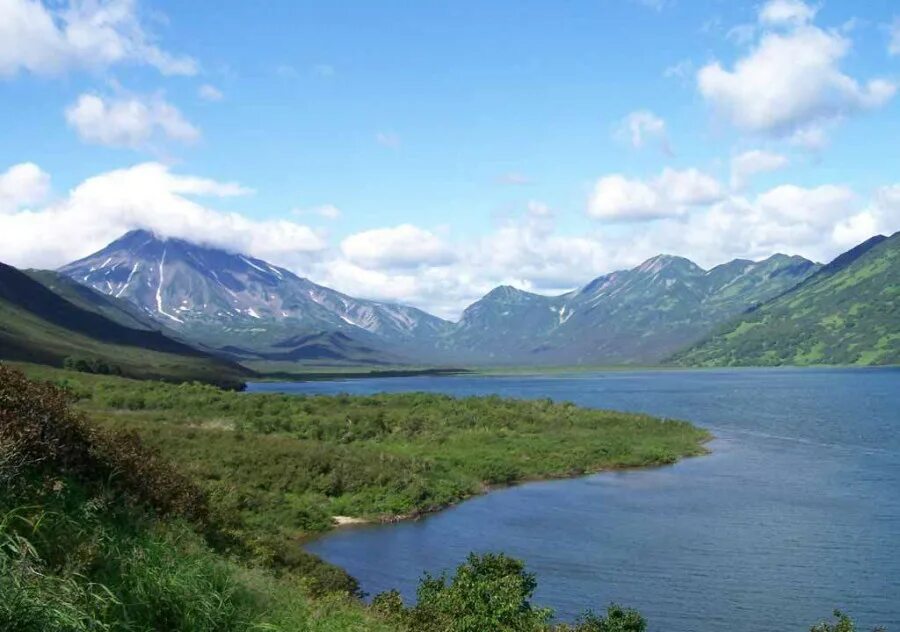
(249, 308)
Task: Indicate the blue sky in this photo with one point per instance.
(424, 152)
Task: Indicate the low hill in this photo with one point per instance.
(39, 325)
(846, 313)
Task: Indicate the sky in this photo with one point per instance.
(424, 153)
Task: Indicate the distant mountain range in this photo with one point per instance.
(640, 315)
(226, 307)
(848, 312)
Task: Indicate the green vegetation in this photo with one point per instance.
(99, 532)
(288, 463)
(491, 592)
(847, 313)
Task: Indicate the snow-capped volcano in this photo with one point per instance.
(208, 292)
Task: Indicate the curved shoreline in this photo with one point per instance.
(344, 523)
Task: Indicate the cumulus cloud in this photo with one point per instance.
(643, 126)
(780, 12)
(671, 194)
(51, 38)
(150, 196)
(403, 246)
(750, 163)
(209, 92)
(132, 122)
(21, 185)
(439, 272)
(529, 251)
(790, 81)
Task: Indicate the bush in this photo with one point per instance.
(91, 365)
(39, 430)
(488, 592)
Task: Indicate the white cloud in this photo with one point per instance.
(749, 163)
(437, 271)
(21, 185)
(403, 246)
(128, 122)
(643, 126)
(671, 194)
(789, 82)
(150, 196)
(813, 137)
(781, 12)
(618, 197)
(87, 34)
(209, 92)
(813, 206)
(388, 139)
(894, 43)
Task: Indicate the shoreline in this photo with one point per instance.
(345, 523)
(340, 376)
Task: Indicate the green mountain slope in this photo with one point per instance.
(641, 315)
(846, 313)
(38, 325)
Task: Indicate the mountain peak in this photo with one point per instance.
(505, 292)
(663, 261)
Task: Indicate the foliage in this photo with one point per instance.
(288, 463)
(38, 428)
(617, 619)
(91, 365)
(97, 532)
(488, 592)
(842, 623)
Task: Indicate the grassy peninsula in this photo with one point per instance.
(289, 464)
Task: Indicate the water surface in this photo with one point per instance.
(796, 511)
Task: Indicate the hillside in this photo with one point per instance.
(846, 313)
(38, 325)
(637, 315)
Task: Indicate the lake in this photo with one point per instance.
(795, 512)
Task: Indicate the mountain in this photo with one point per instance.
(89, 299)
(254, 311)
(39, 325)
(846, 313)
(233, 301)
(630, 316)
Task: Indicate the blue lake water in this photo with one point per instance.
(795, 512)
